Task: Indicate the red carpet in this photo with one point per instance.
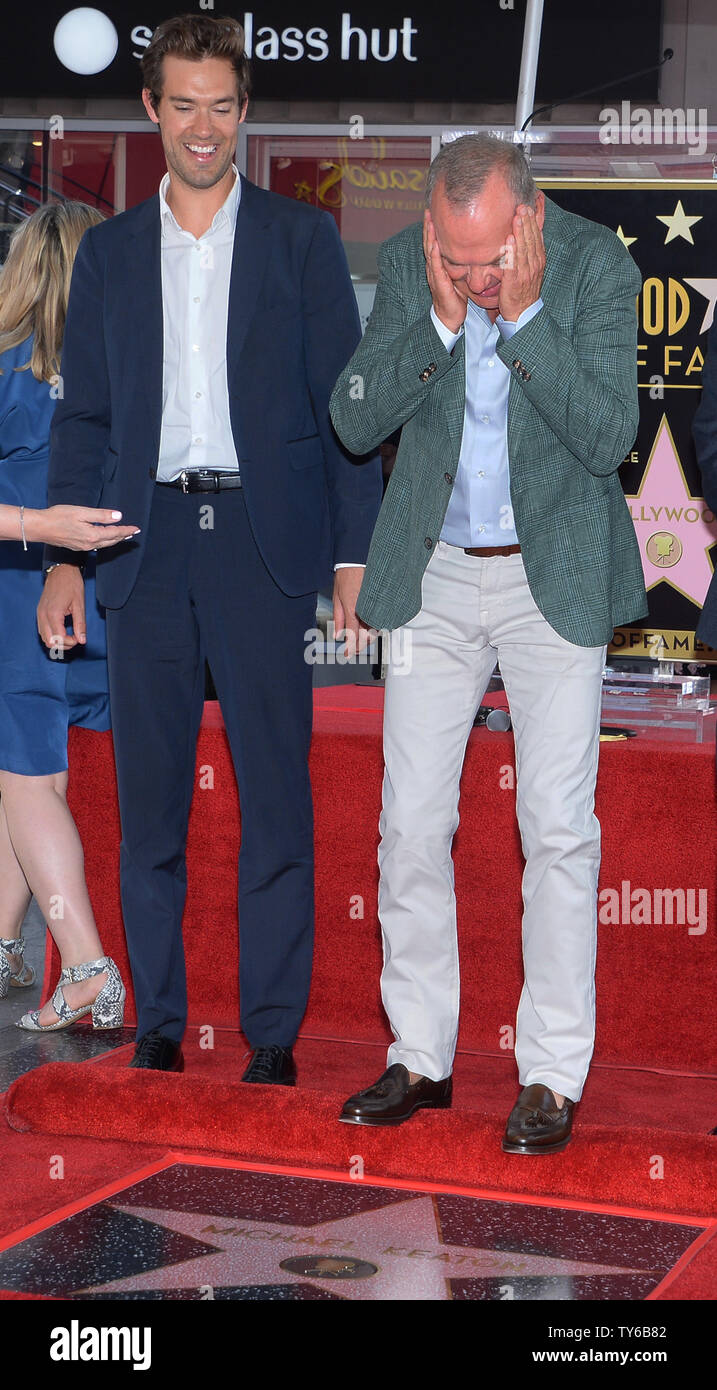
(655, 984)
(31, 1191)
(652, 1094)
(611, 1160)
(697, 1277)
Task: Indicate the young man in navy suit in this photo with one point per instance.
(205, 331)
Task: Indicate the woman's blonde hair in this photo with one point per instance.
(35, 282)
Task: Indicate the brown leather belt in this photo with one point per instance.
(492, 550)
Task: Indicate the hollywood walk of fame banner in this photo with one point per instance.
(670, 229)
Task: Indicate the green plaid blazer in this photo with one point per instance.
(572, 417)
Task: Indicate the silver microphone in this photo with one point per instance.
(497, 720)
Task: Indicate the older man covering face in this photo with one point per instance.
(503, 341)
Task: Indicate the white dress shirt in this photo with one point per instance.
(196, 426)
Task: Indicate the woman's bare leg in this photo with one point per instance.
(48, 851)
(15, 894)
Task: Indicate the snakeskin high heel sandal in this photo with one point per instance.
(15, 979)
(107, 1010)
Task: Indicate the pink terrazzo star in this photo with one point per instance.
(674, 529)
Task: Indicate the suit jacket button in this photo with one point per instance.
(153, 473)
(432, 368)
(424, 375)
(428, 543)
(448, 477)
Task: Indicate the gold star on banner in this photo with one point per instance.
(678, 224)
(626, 240)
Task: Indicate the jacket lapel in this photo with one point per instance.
(552, 290)
(452, 394)
(144, 274)
(454, 397)
(249, 260)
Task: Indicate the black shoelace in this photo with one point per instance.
(150, 1047)
(264, 1061)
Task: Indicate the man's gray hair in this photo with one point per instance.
(464, 165)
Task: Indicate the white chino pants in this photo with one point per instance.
(477, 610)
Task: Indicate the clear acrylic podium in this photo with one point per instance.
(658, 698)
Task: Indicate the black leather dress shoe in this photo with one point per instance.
(271, 1066)
(394, 1098)
(536, 1125)
(154, 1052)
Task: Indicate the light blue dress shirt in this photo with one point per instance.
(480, 512)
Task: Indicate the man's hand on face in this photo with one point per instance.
(449, 301)
(524, 265)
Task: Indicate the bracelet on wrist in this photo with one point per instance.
(55, 564)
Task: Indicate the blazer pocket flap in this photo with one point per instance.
(305, 453)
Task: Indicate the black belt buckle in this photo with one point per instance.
(203, 480)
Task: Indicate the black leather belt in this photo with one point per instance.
(202, 480)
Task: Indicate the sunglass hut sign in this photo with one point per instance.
(350, 42)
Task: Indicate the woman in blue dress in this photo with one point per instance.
(40, 849)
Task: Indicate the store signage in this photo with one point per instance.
(393, 50)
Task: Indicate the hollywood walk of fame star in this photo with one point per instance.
(403, 1240)
(664, 503)
(678, 224)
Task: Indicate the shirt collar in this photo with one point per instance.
(227, 213)
(480, 314)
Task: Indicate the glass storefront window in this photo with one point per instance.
(373, 187)
(21, 180)
(110, 169)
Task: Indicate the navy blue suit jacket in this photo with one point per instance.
(704, 429)
(292, 327)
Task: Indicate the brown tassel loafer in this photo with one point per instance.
(394, 1098)
(536, 1125)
